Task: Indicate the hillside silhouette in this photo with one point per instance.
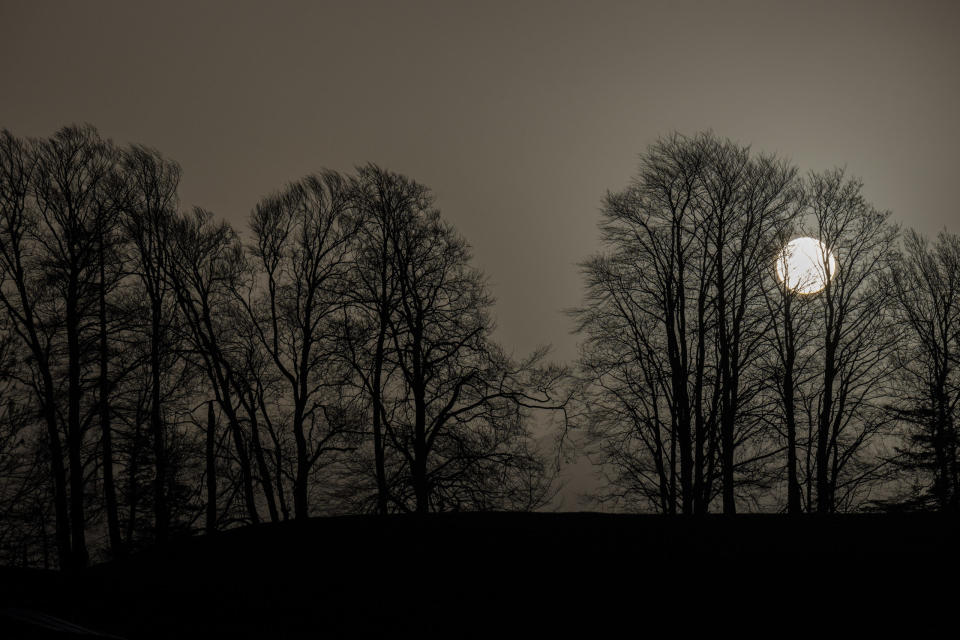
(470, 574)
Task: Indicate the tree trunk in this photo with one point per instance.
(59, 473)
(133, 494)
(377, 398)
(265, 480)
(420, 486)
(80, 556)
(681, 400)
(701, 492)
(109, 488)
(794, 505)
(245, 471)
(211, 452)
(824, 500)
(793, 483)
(160, 509)
(300, 504)
(727, 382)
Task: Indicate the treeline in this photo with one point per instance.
(163, 374)
(706, 383)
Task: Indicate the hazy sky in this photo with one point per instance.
(519, 115)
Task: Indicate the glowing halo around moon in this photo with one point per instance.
(805, 266)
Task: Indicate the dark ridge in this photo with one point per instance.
(471, 573)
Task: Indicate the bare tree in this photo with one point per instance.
(750, 203)
(54, 202)
(789, 365)
(150, 207)
(675, 322)
(925, 284)
(205, 267)
(383, 200)
(854, 330)
(108, 262)
(23, 301)
(459, 403)
(646, 320)
(72, 167)
(303, 239)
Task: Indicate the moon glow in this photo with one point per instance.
(805, 266)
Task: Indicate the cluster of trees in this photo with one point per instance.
(159, 373)
(707, 383)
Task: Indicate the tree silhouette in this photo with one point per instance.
(854, 330)
(55, 194)
(383, 201)
(451, 405)
(674, 320)
(302, 244)
(925, 284)
(150, 204)
(205, 267)
(789, 368)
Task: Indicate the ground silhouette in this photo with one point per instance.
(478, 574)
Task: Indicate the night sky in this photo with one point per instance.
(519, 115)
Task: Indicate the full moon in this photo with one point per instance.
(805, 265)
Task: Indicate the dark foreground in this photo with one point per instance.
(487, 574)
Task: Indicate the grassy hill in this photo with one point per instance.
(476, 574)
